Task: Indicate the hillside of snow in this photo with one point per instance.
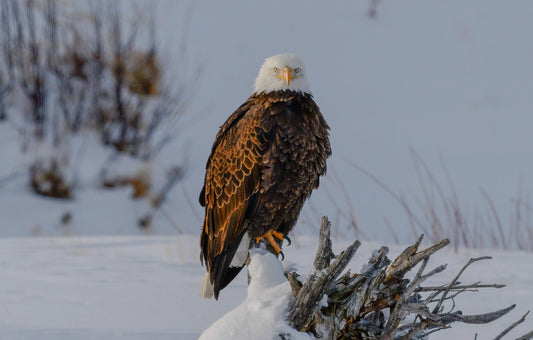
(452, 80)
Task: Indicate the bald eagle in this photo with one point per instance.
(265, 161)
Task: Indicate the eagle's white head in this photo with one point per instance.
(282, 72)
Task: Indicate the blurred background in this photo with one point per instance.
(108, 111)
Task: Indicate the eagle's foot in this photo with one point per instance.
(269, 235)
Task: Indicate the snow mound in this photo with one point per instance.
(262, 315)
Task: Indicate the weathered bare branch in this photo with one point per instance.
(410, 258)
(309, 296)
(472, 260)
(508, 329)
(478, 318)
(295, 284)
(324, 253)
(473, 286)
(355, 302)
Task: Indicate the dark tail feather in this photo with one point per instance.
(221, 272)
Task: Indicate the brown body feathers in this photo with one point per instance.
(266, 159)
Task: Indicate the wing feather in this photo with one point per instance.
(233, 178)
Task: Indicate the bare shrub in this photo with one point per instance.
(132, 101)
(140, 184)
(48, 180)
(438, 213)
(89, 72)
(6, 59)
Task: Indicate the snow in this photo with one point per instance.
(70, 288)
(93, 211)
(262, 314)
(140, 287)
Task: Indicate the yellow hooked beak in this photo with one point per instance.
(286, 74)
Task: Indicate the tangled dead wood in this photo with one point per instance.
(380, 302)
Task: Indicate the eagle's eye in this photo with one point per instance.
(297, 70)
(276, 69)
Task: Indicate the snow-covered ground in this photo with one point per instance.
(146, 287)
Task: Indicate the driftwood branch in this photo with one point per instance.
(508, 329)
(472, 287)
(357, 303)
(447, 290)
(302, 311)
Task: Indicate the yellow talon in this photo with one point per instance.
(269, 235)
